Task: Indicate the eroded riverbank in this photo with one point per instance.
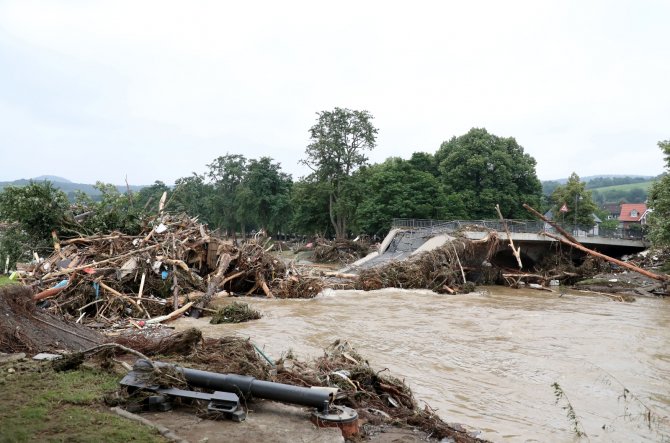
(489, 359)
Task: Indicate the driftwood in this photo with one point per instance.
(215, 281)
(460, 266)
(115, 276)
(174, 314)
(340, 275)
(515, 251)
(555, 225)
(660, 277)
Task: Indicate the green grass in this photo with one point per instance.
(38, 404)
(628, 187)
(4, 280)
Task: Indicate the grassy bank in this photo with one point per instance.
(4, 280)
(39, 404)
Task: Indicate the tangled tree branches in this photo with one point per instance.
(441, 270)
(377, 396)
(173, 261)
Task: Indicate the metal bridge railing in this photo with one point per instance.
(426, 227)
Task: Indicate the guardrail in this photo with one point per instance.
(426, 227)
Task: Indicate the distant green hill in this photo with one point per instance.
(642, 185)
(67, 186)
(606, 183)
(630, 193)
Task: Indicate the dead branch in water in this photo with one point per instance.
(515, 251)
(663, 278)
(562, 231)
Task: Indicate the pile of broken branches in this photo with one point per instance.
(156, 275)
(378, 397)
(340, 251)
(442, 270)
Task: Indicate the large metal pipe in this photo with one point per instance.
(246, 386)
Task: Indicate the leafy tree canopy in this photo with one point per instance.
(30, 213)
(37, 209)
(480, 170)
(339, 140)
(309, 202)
(659, 202)
(397, 188)
(265, 194)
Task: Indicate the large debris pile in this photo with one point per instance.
(443, 270)
(379, 398)
(174, 262)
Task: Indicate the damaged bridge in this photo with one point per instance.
(409, 237)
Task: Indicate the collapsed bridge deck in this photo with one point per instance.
(409, 237)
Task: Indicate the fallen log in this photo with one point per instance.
(224, 262)
(515, 251)
(264, 286)
(562, 231)
(623, 264)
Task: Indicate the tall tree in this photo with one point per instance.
(31, 213)
(193, 195)
(577, 199)
(659, 202)
(226, 173)
(309, 203)
(480, 170)
(149, 197)
(266, 190)
(339, 140)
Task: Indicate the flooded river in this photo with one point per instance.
(488, 360)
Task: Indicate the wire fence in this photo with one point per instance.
(425, 227)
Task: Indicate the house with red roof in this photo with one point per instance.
(632, 214)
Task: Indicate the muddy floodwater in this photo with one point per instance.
(488, 360)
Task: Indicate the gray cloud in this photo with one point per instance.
(156, 90)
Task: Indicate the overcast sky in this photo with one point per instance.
(157, 90)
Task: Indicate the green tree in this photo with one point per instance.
(309, 203)
(480, 170)
(424, 162)
(339, 140)
(659, 202)
(149, 197)
(397, 189)
(30, 213)
(226, 174)
(114, 211)
(266, 195)
(577, 199)
(193, 196)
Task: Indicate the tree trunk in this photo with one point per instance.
(332, 214)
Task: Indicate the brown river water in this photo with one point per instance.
(488, 359)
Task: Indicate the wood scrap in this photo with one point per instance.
(515, 251)
(171, 316)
